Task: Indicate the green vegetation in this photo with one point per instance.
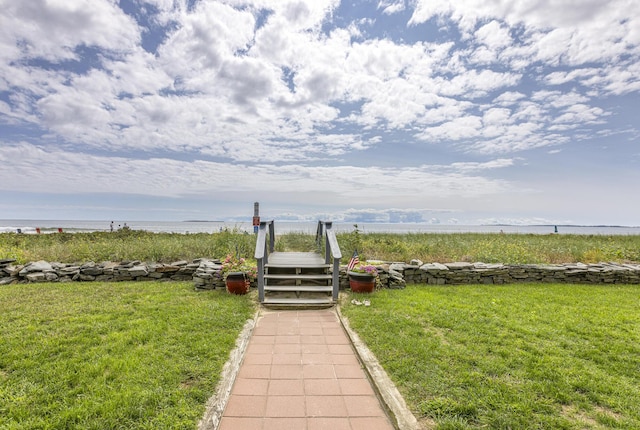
(492, 248)
(124, 245)
(142, 355)
(428, 247)
(300, 242)
(520, 356)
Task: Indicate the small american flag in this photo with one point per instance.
(354, 260)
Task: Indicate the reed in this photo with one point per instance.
(124, 245)
(428, 247)
(492, 248)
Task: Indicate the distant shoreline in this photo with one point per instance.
(13, 221)
(306, 227)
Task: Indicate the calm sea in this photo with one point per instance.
(185, 227)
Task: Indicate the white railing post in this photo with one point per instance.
(327, 245)
(262, 253)
(333, 249)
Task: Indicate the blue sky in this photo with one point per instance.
(469, 111)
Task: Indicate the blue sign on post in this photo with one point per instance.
(256, 217)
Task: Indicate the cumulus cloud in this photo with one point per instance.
(225, 74)
(556, 32)
(54, 30)
(298, 86)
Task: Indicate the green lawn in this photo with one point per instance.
(143, 355)
(509, 357)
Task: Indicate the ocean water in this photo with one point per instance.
(186, 227)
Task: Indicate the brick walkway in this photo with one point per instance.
(300, 372)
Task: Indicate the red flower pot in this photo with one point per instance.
(362, 283)
(237, 283)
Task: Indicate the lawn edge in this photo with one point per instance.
(384, 387)
(218, 401)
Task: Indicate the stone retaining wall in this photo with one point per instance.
(481, 273)
(205, 273)
(42, 271)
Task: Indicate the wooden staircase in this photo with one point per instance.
(297, 279)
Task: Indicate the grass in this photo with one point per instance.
(143, 355)
(519, 356)
(124, 245)
(492, 247)
(428, 247)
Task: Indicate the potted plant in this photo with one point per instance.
(237, 274)
(362, 278)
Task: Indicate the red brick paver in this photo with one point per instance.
(300, 372)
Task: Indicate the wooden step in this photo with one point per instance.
(297, 265)
(295, 276)
(298, 301)
(294, 288)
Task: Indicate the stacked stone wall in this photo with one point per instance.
(206, 273)
(481, 273)
(43, 271)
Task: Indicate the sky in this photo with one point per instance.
(450, 112)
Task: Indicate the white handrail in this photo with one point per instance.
(332, 249)
(263, 249)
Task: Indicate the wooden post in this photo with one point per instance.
(256, 217)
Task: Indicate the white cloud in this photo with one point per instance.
(54, 29)
(457, 129)
(493, 35)
(474, 84)
(206, 38)
(473, 166)
(66, 172)
(295, 85)
(578, 114)
(557, 32)
(577, 75)
(389, 7)
(537, 13)
(217, 82)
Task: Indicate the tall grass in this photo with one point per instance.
(124, 245)
(428, 247)
(492, 247)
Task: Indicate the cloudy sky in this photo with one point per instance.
(468, 111)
